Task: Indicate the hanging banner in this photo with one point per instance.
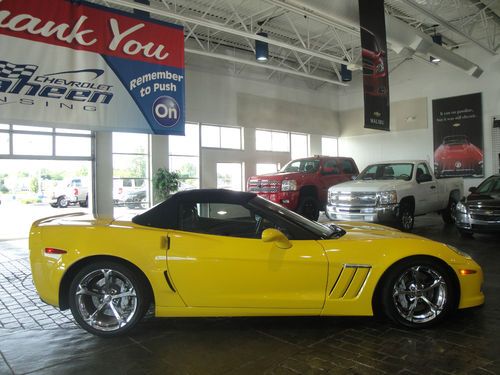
(375, 69)
(80, 65)
(458, 136)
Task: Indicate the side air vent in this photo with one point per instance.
(350, 281)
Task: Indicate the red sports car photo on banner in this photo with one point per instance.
(458, 136)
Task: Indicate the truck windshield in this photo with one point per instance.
(387, 171)
(301, 165)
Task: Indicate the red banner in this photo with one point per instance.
(92, 28)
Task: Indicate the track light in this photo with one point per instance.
(261, 48)
(434, 60)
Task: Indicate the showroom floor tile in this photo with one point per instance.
(39, 339)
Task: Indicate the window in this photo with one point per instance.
(223, 219)
(184, 156)
(32, 144)
(4, 143)
(131, 170)
(264, 168)
(302, 165)
(348, 167)
(73, 146)
(329, 146)
(221, 137)
(270, 140)
(299, 145)
(229, 176)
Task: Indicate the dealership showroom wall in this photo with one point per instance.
(298, 105)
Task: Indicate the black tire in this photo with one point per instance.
(309, 208)
(84, 203)
(53, 205)
(96, 291)
(448, 214)
(418, 292)
(406, 217)
(62, 202)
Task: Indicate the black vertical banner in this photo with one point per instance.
(375, 69)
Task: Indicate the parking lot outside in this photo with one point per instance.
(39, 339)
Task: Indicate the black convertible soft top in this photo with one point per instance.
(164, 215)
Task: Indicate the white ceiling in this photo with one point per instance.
(310, 39)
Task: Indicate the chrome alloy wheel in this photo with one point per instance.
(420, 294)
(106, 300)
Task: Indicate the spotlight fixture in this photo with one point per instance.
(434, 60)
(261, 48)
(345, 73)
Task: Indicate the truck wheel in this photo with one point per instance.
(464, 233)
(84, 203)
(406, 217)
(62, 202)
(309, 208)
(449, 212)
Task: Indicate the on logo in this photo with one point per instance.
(166, 111)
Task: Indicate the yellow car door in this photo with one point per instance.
(222, 271)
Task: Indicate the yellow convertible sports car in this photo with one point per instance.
(224, 253)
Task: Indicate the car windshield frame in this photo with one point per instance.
(364, 175)
(320, 230)
(489, 183)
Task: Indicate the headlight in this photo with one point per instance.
(459, 252)
(289, 185)
(388, 197)
(462, 208)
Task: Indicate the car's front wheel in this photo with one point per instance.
(309, 208)
(418, 292)
(62, 202)
(108, 298)
(406, 217)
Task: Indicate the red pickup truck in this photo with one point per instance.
(302, 184)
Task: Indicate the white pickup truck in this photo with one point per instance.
(394, 192)
(70, 192)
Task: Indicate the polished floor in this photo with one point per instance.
(38, 339)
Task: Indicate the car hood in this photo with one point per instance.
(279, 176)
(370, 185)
(491, 200)
(368, 231)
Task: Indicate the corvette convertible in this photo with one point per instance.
(225, 253)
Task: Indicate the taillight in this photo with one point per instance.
(75, 191)
(52, 250)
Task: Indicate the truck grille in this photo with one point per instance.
(485, 213)
(355, 199)
(263, 186)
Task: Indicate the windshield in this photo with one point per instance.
(320, 230)
(302, 165)
(387, 171)
(490, 185)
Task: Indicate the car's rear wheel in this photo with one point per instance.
(84, 203)
(309, 207)
(418, 292)
(108, 299)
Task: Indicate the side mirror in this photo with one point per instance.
(274, 235)
(473, 189)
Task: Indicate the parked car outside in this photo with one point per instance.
(71, 192)
(480, 211)
(302, 184)
(227, 253)
(457, 156)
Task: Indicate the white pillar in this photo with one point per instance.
(103, 207)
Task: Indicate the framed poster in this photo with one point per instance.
(458, 136)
